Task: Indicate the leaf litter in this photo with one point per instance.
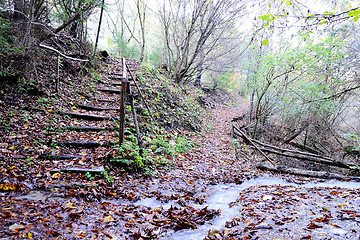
(73, 206)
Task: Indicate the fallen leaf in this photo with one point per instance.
(313, 226)
(108, 219)
(69, 205)
(333, 224)
(7, 187)
(56, 175)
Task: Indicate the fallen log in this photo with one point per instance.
(308, 158)
(293, 153)
(304, 125)
(250, 141)
(306, 148)
(236, 132)
(307, 173)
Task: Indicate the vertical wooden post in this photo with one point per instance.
(99, 26)
(131, 99)
(57, 74)
(122, 104)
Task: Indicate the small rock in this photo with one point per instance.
(267, 197)
(16, 226)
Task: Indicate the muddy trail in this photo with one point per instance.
(206, 193)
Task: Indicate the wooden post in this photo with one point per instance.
(138, 134)
(99, 26)
(57, 74)
(122, 104)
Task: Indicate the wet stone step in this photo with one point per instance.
(132, 84)
(92, 108)
(116, 77)
(116, 91)
(105, 100)
(99, 170)
(79, 144)
(88, 116)
(61, 157)
(116, 83)
(118, 74)
(86, 129)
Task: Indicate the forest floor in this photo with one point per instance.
(206, 193)
(176, 202)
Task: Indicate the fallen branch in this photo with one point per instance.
(292, 153)
(304, 125)
(306, 173)
(308, 158)
(61, 54)
(250, 140)
(281, 149)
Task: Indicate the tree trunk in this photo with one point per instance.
(19, 9)
(200, 68)
(306, 173)
(142, 29)
(100, 20)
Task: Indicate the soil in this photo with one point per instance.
(40, 203)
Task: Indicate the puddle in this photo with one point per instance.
(220, 196)
(155, 204)
(332, 184)
(39, 195)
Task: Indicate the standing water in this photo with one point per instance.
(220, 197)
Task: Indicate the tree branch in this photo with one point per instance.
(61, 54)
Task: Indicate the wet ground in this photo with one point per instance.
(206, 194)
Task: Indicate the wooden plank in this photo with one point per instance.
(106, 100)
(100, 170)
(116, 77)
(92, 108)
(78, 144)
(83, 144)
(61, 157)
(115, 91)
(87, 116)
(85, 129)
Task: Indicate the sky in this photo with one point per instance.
(247, 23)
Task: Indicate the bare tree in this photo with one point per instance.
(99, 26)
(194, 29)
(141, 11)
(130, 27)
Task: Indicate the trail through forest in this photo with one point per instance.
(206, 193)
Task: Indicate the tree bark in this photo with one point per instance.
(122, 104)
(252, 143)
(98, 31)
(304, 125)
(306, 173)
(200, 68)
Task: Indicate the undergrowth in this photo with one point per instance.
(175, 112)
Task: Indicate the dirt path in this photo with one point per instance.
(212, 160)
(177, 200)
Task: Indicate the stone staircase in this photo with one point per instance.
(90, 128)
